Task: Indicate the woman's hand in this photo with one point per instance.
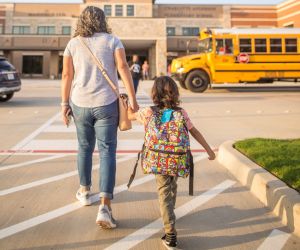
(66, 113)
(134, 105)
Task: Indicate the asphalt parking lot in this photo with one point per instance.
(38, 177)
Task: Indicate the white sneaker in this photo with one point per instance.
(105, 218)
(84, 198)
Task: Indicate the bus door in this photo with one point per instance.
(224, 61)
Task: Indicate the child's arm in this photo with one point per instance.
(199, 138)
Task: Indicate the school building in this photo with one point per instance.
(33, 36)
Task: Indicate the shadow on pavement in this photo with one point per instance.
(32, 102)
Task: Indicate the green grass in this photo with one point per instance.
(280, 157)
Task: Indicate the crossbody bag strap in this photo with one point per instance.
(100, 66)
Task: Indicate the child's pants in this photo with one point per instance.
(167, 191)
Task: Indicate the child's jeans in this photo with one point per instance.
(167, 191)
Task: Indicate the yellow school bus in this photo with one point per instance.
(238, 56)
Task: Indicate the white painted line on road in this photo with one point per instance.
(63, 210)
(52, 179)
(65, 145)
(23, 164)
(72, 129)
(146, 232)
(73, 144)
(25, 141)
(275, 241)
(22, 226)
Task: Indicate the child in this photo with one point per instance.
(166, 128)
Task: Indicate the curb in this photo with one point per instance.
(272, 192)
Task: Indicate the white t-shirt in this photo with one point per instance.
(90, 88)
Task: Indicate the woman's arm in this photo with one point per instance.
(67, 78)
(125, 74)
(199, 138)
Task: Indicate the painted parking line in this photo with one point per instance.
(275, 241)
(63, 210)
(74, 152)
(60, 145)
(51, 179)
(27, 163)
(14, 229)
(35, 133)
(146, 232)
(72, 129)
(68, 174)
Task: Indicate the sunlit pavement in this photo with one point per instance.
(38, 177)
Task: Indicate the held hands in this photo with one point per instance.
(66, 115)
(133, 105)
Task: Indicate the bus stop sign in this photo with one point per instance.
(243, 58)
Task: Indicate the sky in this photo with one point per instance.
(162, 1)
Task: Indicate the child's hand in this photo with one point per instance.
(211, 155)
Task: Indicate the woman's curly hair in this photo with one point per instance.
(91, 20)
(165, 93)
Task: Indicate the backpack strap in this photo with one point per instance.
(134, 169)
(191, 177)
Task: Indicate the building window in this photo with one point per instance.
(291, 45)
(190, 31)
(1, 29)
(171, 31)
(245, 46)
(32, 65)
(46, 30)
(21, 29)
(224, 46)
(107, 10)
(261, 45)
(119, 10)
(130, 10)
(66, 30)
(276, 45)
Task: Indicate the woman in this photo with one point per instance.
(94, 104)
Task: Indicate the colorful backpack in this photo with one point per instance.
(166, 149)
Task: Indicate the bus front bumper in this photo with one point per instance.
(179, 76)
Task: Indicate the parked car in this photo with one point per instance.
(10, 81)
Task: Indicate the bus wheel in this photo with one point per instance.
(182, 84)
(197, 81)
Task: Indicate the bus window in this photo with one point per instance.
(275, 45)
(205, 45)
(228, 46)
(224, 46)
(291, 45)
(261, 45)
(245, 46)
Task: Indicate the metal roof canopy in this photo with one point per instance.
(253, 31)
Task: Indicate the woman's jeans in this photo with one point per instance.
(99, 124)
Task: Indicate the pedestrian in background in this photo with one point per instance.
(136, 72)
(94, 104)
(145, 68)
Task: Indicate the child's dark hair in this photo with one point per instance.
(165, 93)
